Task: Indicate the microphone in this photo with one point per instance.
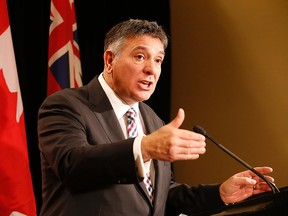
(199, 129)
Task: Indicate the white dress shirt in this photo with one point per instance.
(120, 108)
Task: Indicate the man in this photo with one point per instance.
(93, 165)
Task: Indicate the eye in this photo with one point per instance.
(139, 57)
(159, 61)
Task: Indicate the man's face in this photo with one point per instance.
(135, 72)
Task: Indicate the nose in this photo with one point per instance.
(150, 68)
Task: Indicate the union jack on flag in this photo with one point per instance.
(64, 66)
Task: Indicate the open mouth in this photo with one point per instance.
(146, 83)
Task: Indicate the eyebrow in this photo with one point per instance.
(140, 47)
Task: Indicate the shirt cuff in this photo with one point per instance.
(142, 167)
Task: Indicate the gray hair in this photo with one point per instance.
(133, 28)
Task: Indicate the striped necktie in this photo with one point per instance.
(148, 184)
(131, 123)
(132, 132)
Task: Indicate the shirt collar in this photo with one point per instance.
(119, 106)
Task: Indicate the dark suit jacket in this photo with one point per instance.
(88, 167)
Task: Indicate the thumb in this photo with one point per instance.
(178, 120)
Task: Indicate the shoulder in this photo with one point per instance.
(148, 113)
(66, 95)
(147, 109)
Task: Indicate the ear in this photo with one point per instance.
(108, 60)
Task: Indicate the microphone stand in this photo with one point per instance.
(200, 130)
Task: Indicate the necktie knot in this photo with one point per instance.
(131, 123)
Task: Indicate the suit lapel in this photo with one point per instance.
(106, 116)
(151, 125)
(104, 112)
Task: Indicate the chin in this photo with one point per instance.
(140, 99)
(142, 96)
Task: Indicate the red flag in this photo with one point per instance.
(16, 189)
(64, 67)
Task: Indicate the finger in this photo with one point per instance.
(260, 187)
(247, 181)
(269, 178)
(189, 136)
(178, 120)
(261, 170)
(191, 152)
(190, 141)
(264, 169)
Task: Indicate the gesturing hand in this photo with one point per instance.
(170, 143)
(244, 184)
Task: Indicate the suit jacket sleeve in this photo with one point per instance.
(191, 200)
(79, 142)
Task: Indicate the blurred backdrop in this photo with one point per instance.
(230, 74)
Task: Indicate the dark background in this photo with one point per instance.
(29, 22)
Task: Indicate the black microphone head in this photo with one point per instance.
(199, 129)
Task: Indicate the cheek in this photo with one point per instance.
(157, 76)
